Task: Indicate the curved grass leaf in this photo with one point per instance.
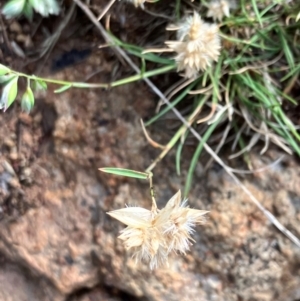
(63, 89)
(126, 172)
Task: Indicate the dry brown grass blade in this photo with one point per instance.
(158, 15)
(257, 67)
(157, 50)
(174, 140)
(267, 138)
(238, 135)
(248, 147)
(201, 91)
(106, 9)
(275, 138)
(168, 147)
(53, 39)
(149, 139)
(173, 90)
(262, 169)
(224, 136)
(210, 115)
(267, 213)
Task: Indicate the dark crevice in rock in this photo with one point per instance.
(102, 293)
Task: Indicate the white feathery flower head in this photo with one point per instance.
(218, 9)
(140, 3)
(197, 45)
(153, 235)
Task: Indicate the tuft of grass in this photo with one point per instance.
(260, 57)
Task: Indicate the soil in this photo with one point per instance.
(56, 241)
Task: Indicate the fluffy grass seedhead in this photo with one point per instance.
(154, 235)
(197, 45)
(218, 9)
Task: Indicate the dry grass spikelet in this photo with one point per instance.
(154, 235)
(197, 45)
(218, 9)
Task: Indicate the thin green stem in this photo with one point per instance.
(100, 85)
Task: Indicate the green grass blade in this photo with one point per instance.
(286, 48)
(137, 51)
(126, 172)
(287, 97)
(173, 103)
(178, 153)
(291, 73)
(286, 135)
(256, 11)
(189, 179)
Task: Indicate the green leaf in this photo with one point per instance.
(45, 7)
(126, 172)
(39, 85)
(6, 78)
(3, 70)
(63, 89)
(13, 8)
(28, 11)
(9, 93)
(286, 47)
(27, 101)
(53, 7)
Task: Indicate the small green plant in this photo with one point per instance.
(9, 80)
